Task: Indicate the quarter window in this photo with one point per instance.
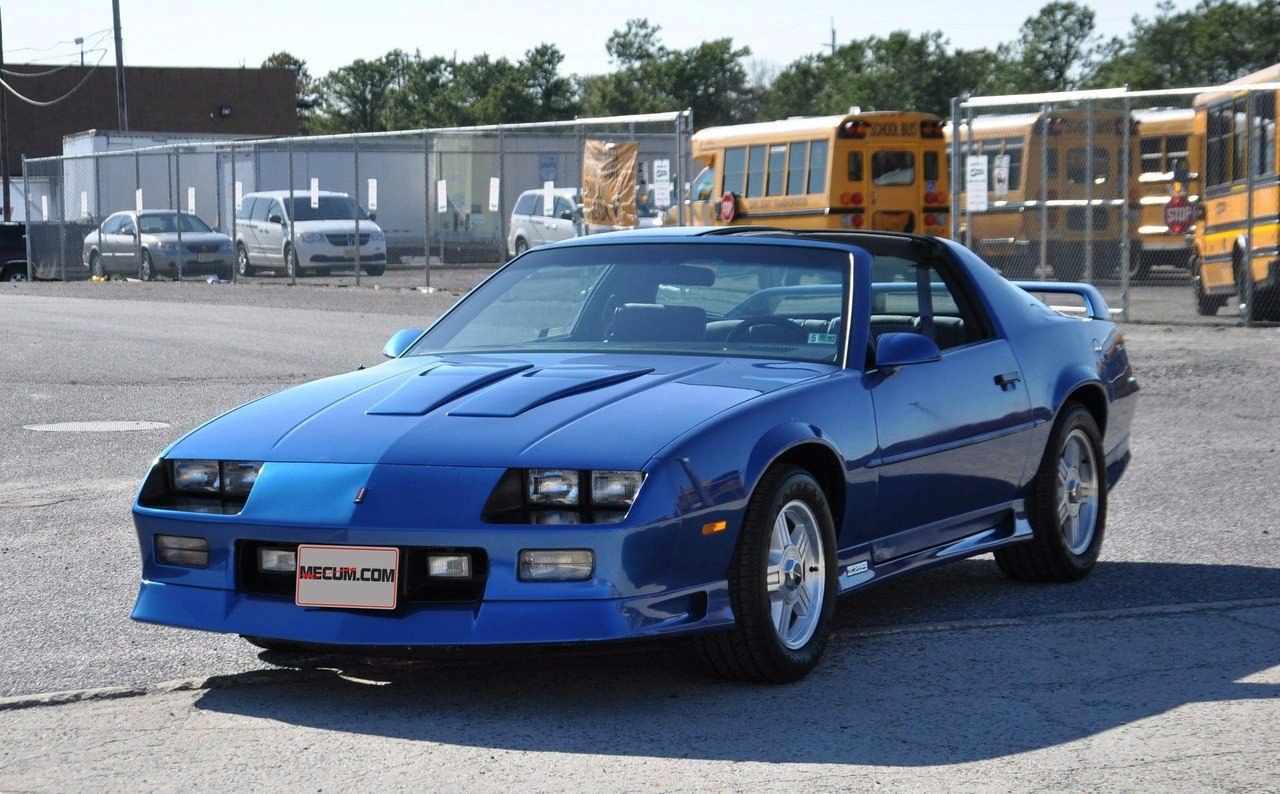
(735, 169)
(777, 168)
(796, 168)
(818, 167)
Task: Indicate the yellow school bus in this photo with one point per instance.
(1168, 166)
(876, 170)
(1008, 232)
(1239, 137)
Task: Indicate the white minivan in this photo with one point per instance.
(324, 234)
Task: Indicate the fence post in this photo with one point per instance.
(26, 214)
(1249, 292)
(137, 221)
(972, 151)
(235, 217)
(1125, 192)
(355, 209)
(426, 208)
(1088, 191)
(956, 167)
(177, 175)
(293, 211)
(1044, 191)
(443, 223)
(502, 186)
(677, 173)
(97, 202)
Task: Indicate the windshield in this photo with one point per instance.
(332, 208)
(758, 301)
(159, 224)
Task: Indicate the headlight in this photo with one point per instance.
(230, 478)
(225, 245)
(311, 237)
(197, 476)
(377, 237)
(615, 488)
(552, 487)
(168, 248)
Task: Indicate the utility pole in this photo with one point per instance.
(4, 133)
(833, 35)
(121, 106)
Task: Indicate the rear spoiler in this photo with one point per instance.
(1095, 306)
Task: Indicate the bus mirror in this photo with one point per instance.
(1180, 172)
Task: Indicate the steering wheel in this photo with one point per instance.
(739, 331)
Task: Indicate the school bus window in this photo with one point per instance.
(795, 168)
(931, 166)
(855, 166)
(817, 166)
(1051, 164)
(777, 168)
(1078, 168)
(1013, 148)
(1241, 130)
(893, 168)
(1219, 129)
(735, 170)
(1151, 155)
(1264, 134)
(704, 184)
(755, 172)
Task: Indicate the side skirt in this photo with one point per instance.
(858, 568)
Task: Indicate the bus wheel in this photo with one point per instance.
(1139, 265)
(1206, 305)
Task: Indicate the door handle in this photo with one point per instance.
(1006, 380)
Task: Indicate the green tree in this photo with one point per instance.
(1056, 50)
(354, 98)
(304, 86)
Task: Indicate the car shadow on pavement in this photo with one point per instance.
(1011, 679)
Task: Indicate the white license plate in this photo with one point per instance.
(349, 252)
(204, 257)
(360, 577)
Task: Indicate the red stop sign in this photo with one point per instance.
(1178, 215)
(728, 207)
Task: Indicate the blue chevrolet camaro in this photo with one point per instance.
(711, 433)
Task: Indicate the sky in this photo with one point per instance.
(328, 34)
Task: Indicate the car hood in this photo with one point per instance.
(344, 226)
(579, 410)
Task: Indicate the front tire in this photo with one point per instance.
(292, 267)
(1206, 305)
(95, 265)
(782, 584)
(148, 269)
(1067, 505)
(521, 246)
(375, 270)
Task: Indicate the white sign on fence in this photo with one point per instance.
(548, 198)
(976, 183)
(137, 199)
(239, 194)
(1000, 175)
(84, 203)
(191, 199)
(315, 193)
(495, 186)
(662, 195)
(662, 183)
(442, 197)
(373, 195)
(44, 208)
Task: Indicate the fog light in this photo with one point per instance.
(177, 550)
(278, 560)
(557, 565)
(449, 566)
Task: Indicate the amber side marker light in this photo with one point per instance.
(714, 527)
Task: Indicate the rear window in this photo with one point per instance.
(893, 168)
(246, 208)
(524, 205)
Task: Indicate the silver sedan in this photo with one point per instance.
(146, 244)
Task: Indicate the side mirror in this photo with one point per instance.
(373, 216)
(904, 349)
(399, 343)
(566, 216)
(129, 232)
(275, 219)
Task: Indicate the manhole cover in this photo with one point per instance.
(96, 427)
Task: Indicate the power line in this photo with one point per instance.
(41, 104)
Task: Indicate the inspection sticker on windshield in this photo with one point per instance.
(822, 339)
(360, 577)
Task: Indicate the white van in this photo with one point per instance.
(324, 234)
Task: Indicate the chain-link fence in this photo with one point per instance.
(1166, 201)
(341, 209)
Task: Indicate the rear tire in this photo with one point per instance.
(782, 584)
(292, 267)
(242, 262)
(1067, 505)
(521, 246)
(375, 270)
(95, 265)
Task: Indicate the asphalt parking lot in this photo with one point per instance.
(1161, 670)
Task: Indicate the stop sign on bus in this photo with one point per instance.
(1178, 214)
